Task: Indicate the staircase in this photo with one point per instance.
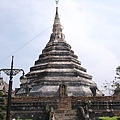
(65, 115)
(64, 111)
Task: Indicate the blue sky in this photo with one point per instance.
(91, 27)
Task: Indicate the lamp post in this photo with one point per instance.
(11, 72)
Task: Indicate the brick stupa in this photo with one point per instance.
(58, 72)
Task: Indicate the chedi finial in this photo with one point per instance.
(57, 27)
(57, 1)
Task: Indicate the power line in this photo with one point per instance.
(25, 44)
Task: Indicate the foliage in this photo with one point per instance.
(1, 99)
(117, 83)
(87, 104)
(113, 87)
(109, 118)
(1, 94)
(1, 116)
(47, 108)
(2, 107)
(118, 70)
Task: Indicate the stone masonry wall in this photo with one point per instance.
(40, 108)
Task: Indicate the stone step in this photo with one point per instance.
(65, 115)
(64, 104)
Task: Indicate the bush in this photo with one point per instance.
(1, 99)
(1, 94)
(1, 116)
(2, 107)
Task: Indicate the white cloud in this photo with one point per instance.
(92, 38)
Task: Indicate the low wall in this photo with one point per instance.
(37, 108)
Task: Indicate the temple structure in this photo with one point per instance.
(59, 88)
(58, 72)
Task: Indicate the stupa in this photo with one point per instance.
(58, 72)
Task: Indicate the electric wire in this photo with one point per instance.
(25, 44)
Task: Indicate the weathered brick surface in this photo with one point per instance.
(24, 107)
(64, 104)
(65, 115)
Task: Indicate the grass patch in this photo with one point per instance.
(109, 118)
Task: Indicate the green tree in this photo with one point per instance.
(117, 82)
(113, 87)
(118, 71)
(2, 107)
